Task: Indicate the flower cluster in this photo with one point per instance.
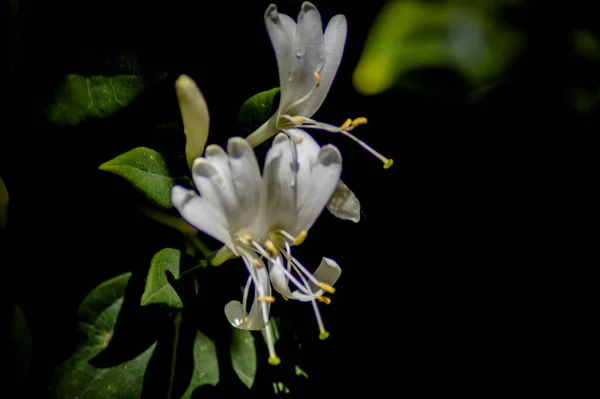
(258, 216)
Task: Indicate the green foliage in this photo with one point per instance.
(77, 378)
(158, 289)
(206, 365)
(257, 110)
(408, 35)
(147, 171)
(243, 356)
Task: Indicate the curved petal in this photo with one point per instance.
(201, 214)
(246, 180)
(328, 272)
(258, 316)
(325, 175)
(335, 40)
(308, 57)
(343, 204)
(194, 114)
(282, 31)
(279, 184)
(278, 278)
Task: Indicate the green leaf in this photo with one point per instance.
(411, 35)
(77, 378)
(83, 98)
(257, 110)
(206, 365)
(243, 356)
(158, 290)
(21, 341)
(147, 171)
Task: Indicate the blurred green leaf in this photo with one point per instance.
(257, 110)
(83, 98)
(243, 356)
(77, 378)
(467, 37)
(147, 171)
(158, 289)
(21, 341)
(586, 44)
(206, 365)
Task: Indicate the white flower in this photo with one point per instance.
(308, 60)
(262, 218)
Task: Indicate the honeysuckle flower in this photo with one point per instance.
(308, 60)
(194, 114)
(260, 218)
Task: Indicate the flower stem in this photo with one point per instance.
(176, 322)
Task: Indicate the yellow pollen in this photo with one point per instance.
(247, 237)
(327, 288)
(324, 335)
(346, 124)
(388, 163)
(297, 139)
(285, 297)
(257, 263)
(317, 79)
(274, 360)
(359, 121)
(300, 237)
(297, 119)
(324, 299)
(270, 248)
(269, 299)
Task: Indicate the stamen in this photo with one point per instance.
(300, 238)
(310, 92)
(270, 248)
(257, 263)
(247, 237)
(285, 298)
(266, 299)
(297, 139)
(358, 121)
(296, 119)
(326, 287)
(324, 335)
(346, 124)
(274, 360)
(324, 299)
(246, 292)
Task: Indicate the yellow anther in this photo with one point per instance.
(346, 124)
(270, 248)
(387, 164)
(257, 263)
(324, 335)
(359, 121)
(266, 299)
(327, 288)
(300, 237)
(297, 119)
(317, 79)
(324, 299)
(297, 139)
(285, 297)
(274, 360)
(247, 237)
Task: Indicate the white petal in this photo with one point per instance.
(343, 204)
(325, 176)
(278, 276)
(259, 311)
(308, 57)
(335, 39)
(246, 179)
(279, 188)
(328, 272)
(194, 114)
(282, 31)
(201, 214)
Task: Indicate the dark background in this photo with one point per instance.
(435, 274)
